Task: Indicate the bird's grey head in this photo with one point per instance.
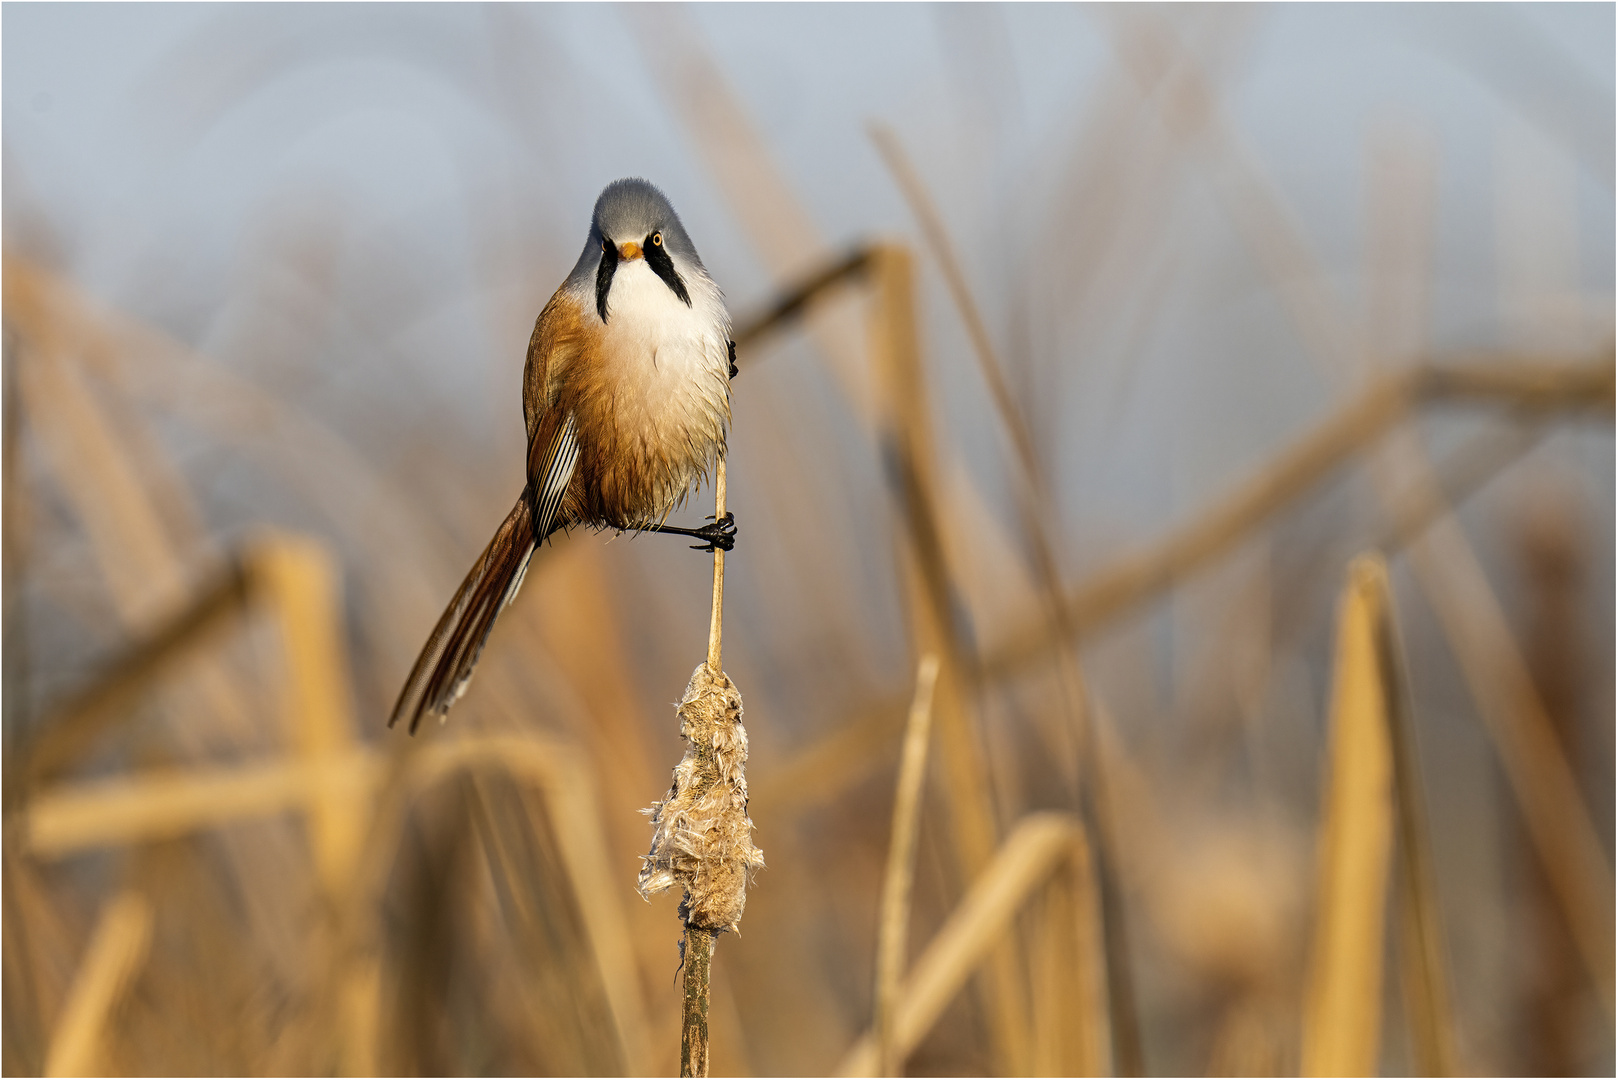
(634, 220)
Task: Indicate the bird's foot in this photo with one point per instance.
(721, 534)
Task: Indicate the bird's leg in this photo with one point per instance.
(721, 534)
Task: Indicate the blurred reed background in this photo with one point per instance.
(1223, 396)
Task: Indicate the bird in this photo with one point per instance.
(626, 401)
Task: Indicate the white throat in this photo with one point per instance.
(666, 354)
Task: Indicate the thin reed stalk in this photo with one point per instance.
(716, 627)
(894, 925)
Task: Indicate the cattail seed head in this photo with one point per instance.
(702, 838)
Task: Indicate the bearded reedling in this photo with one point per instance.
(626, 395)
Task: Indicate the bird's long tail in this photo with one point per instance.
(444, 668)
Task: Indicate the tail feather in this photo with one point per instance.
(444, 668)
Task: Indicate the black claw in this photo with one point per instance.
(733, 371)
(721, 535)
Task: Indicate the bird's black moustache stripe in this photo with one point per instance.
(657, 257)
(609, 263)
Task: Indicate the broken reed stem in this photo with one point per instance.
(893, 930)
(702, 839)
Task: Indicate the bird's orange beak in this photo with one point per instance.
(629, 250)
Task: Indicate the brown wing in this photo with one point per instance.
(559, 337)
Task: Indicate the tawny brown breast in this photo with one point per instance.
(651, 406)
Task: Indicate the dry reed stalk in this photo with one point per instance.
(1512, 380)
(1035, 502)
(564, 778)
(549, 996)
(165, 803)
(1466, 469)
(299, 577)
(702, 838)
(1424, 969)
(1452, 577)
(1072, 1033)
(1037, 848)
(568, 785)
(1552, 551)
(69, 728)
(795, 300)
(893, 927)
(716, 636)
(39, 945)
(115, 954)
(907, 441)
(1402, 193)
(1535, 765)
(1037, 505)
(1342, 1007)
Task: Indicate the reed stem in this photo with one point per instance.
(694, 1006)
(893, 931)
(716, 619)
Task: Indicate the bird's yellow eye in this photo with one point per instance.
(657, 239)
(604, 245)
